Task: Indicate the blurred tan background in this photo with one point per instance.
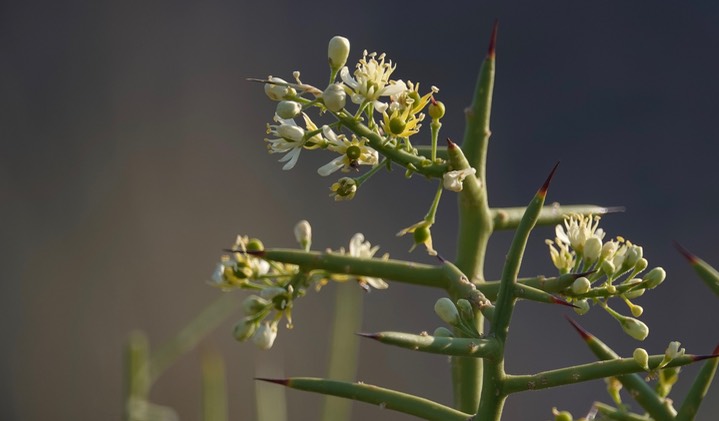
(132, 153)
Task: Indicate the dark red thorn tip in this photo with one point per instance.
(450, 144)
(250, 252)
(704, 357)
(368, 335)
(716, 350)
(684, 252)
(558, 300)
(583, 333)
(493, 40)
(283, 382)
(545, 186)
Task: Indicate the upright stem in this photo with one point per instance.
(475, 221)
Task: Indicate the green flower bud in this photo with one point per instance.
(562, 415)
(635, 293)
(265, 335)
(592, 249)
(634, 253)
(244, 329)
(288, 109)
(334, 97)
(465, 310)
(443, 332)
(641, 265)
(634, 328)
(447, 311)
(655, 277)
(303, 234)
(581, 285)
(636, 310)
(608, 268)
(337, 52)
(641, 356)
(254, 304)
(436, 110)
(254, 244)
(582, 307)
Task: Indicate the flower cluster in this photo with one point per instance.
(579, 246)
(276, 285)
(372, 89)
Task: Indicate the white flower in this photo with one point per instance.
(265, 335)
(364, 250)
(452, 180)
(352, 153)
(290, 139)
(337, 52)
(371, 81)
(579, 228)
(562, 257)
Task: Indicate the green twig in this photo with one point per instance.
(462, 347)
(508, 218)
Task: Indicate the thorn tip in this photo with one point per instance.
(491, 52)
(283, 382)
(450, 144)
(557, 300)
(684, 252)
(545, 186)
(583, 333)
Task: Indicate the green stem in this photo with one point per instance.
(552, 285)
(586, 372)
(435, 204)
(698, 391)
(508, 218)
(344, 348)
(617, 414)
(385, 398)
(214, 388)
(364, 177)
(191, 334)
(426, 151)
(434, 126)
(397, 270)
(137, 372)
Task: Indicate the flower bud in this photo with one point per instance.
(278, 92)
(254, 304)
(562, 415)
(465, 310)
(436, 110)
(634, 328)
(641, 356)
(447, 311)
(254, 244)
(443, 332)
(635, 293)
(290, 132)
(337, 52)
(303, 234)
(244, 329)
(582, 307)
(265, 335)
(655, 277)
(288, 109)
(634, 253)
(608, 268)
(334, 97)
(636, 310)
(608, 249)
(581, 285)
(592, 249)
(671, 352)
(641, 265)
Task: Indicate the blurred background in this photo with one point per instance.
(132, 153)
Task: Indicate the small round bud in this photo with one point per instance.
(635, 293)
(265, 335)
(581, 285)
(655, 277)
(436, 110)
(634, 328)
(636, 310)
(421, 234)
(641, 265)
(244, 329)
(278, 92)
(254, 244)
(611, 289)
(641, 356)
(397, 125)
(293, 133)
(634, 253)
(562, 415)
(582, 307)
(443, 332)
(334, 97)
(337, 52)
(303, 234)
(447, 311)
(288, 109)
(592, 249)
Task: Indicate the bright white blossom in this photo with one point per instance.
(290, 139)
(579, 229)
(364, 250)
(453, 180)
(353, 152)
(562, 257)
(372, 80)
